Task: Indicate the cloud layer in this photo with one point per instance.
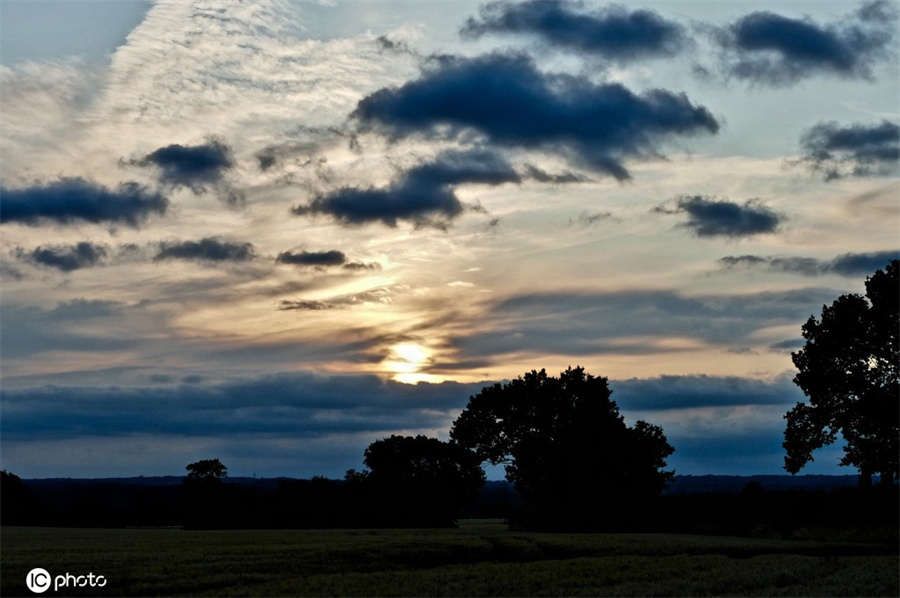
(848, 264)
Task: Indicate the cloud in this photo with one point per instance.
(856, 150)
(787, 344)
(505, 100)
(296, 404)
(378, 295)
(9, 272)
(392, 45)
(542, 176)
(208, 249)
(771, 49)
(75, 199)
(191, 166)
(708, 217)
(691, 392)
(613, 33)
(29, 330)
(632, 322)
(848, 264)
(53, 430)
(66, 257)
(312, 258)
(362, 266)
(591, 218)
(423, 195)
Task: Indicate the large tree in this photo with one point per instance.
(416, 480)
(565, 446)
(848, 369)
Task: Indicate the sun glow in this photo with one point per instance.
(406, 361)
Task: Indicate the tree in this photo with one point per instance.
(848, 369)
(565, 446)
(206, 469)
(419, 480)
(206, 498)
(16, 502)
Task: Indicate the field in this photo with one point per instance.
(481, 558)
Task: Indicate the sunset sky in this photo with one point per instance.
(274, 231)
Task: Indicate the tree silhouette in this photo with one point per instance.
(419, 480)
(16, 502)
(205, 496)
(849, 370)
(206, 469)
(565, 446)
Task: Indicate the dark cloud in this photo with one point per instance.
(848, 264)
(362, 266)
(708, 217)
(613, 33)
(634, 322)
(313, 258)
(66, 257)
(768, 48)
(192, 166)
(542, 176)
(296, 404)
(377, 295)
(208, 249)
(424, 194)
(72, 199)
(505, 100)
(691, 392)
(855, 150)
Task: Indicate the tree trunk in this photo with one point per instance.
(865, 478)
(887, 480)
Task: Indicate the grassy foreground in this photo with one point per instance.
(478, 559)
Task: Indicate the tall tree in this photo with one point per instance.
(565, 446)
(848, 369)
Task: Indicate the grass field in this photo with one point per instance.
(478, 559)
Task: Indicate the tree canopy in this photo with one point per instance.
(848, 369)
(564, 444)
(416, 479)
(206, 469)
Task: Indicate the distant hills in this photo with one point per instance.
(681, 485)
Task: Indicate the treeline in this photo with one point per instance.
(869, 513)
(239, 503)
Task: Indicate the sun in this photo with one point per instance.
(406, 360)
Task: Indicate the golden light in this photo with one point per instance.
(406, 360)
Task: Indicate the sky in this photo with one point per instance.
(273, 232)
